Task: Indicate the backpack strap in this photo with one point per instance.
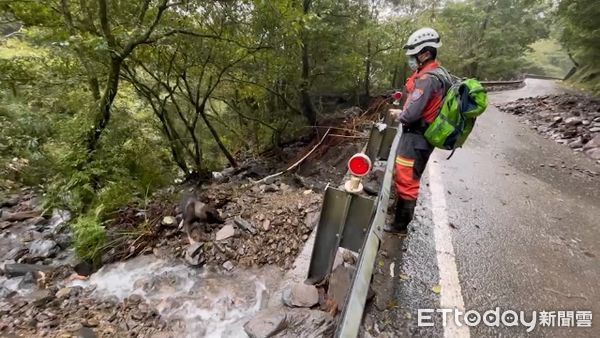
(445, 78)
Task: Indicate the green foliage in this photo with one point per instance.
(547, 57)
(488, 39)
(580, 35)
(89, 237)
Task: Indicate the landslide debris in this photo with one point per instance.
(569, 119)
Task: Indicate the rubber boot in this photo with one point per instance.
(405, 211)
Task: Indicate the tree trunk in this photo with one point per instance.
(308, 108)
(201, 110)
(103, 114)
(368, 71)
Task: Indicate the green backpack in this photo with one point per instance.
(463, 103)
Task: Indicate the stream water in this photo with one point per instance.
(199, 302)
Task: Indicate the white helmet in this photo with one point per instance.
(424, 37)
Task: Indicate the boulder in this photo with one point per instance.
(593, 143)
(42, 248)
(573, 121)
(339, 283)
(266, 323)
(577, 143)
(15, 270)
(593, 153)
(20, 216)
(59, 219)
(308, 323)
(300, 295)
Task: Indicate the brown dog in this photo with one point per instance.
(195, 216)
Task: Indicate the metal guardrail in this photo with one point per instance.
(351, 317)
(501, 83)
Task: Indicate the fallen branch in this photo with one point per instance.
(297, 163)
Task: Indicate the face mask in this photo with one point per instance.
(413, 63)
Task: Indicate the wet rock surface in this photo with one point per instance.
(301, 295)
(569, 119)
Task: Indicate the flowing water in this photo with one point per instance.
(202, 302)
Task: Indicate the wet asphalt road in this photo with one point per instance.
(525, 236)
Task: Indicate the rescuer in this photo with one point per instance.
(425, 90)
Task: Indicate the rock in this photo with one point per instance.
(339, 283)
(10, 202)
(37, 221)
(270, 188)
(266, 225)
(594, 129)
(59, 219)
(15, 253)
(266, 323)
(226, 232)
(593, 153)
(311, 219)
(15, 270)
(228, 266)
(169, 221)
(86, 332)
(91, 322)
(27, 281)
(308, 323)
(63, 293)
(42, 248)
(5, 224)
(573, 121)
(242, 223)
(193, 254)
(593, 143)
(40, 297)
(577, 143)
(63, 240)
(20, 216)
(84, 268)
(301, 295)
(339, 259)
(586, 122)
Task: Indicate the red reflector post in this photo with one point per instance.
(359, 165)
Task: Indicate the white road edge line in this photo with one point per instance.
(450, 295)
